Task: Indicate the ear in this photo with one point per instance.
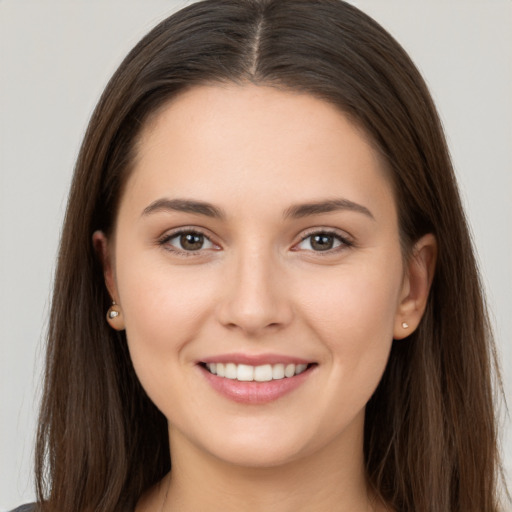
(104, 254)
(416, 286)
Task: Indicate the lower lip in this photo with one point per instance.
(255, 393)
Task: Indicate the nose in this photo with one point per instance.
(255, 299)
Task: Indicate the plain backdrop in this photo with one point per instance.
(56, 57)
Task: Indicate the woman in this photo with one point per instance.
(265, 210)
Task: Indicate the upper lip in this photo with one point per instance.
(255, 359)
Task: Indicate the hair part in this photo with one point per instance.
(430, 431)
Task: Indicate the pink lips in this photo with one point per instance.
(255, 393)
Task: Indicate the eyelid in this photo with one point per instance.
(174, 233)
(345, 239)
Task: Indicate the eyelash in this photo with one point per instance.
(345, 243)
(164, 241)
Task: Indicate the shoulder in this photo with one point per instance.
(29, 507)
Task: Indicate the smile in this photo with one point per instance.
(261, 373)
(268, 378)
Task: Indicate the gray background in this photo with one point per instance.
(55, 60)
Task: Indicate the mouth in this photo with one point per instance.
(260, 373)
(256, 384)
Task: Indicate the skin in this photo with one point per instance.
(258, 285)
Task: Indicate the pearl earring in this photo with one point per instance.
(112, 312)
(405, 325)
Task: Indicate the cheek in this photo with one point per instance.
(361, 303)
(354, 321)
(164, 309)
(159, 298)
(353, 314)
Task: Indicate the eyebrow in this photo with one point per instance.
(328, 206)
(295, 211)
(184, 205)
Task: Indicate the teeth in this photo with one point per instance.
(289, 370)
(278, 371)
(300, 368)
(230, 370)
(262, 373)
(245, 372)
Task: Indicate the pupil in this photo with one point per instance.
(191, 241)
(322, 242)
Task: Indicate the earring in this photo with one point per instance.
(405, 325)
(112, 311)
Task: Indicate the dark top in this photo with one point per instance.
(29, 507)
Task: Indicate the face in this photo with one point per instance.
(257, 238)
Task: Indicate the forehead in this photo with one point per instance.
(232, 142)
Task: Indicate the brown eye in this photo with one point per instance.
(187, 241)
(322, 242)
(191, 241)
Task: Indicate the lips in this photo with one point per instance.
(255, 379)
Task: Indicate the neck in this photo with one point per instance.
(330, 480)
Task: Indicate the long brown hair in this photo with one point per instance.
(430, 431)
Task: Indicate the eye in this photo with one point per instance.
(189, 241)
(322, 241)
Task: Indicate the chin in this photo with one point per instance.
(267, 444)
(257, 456)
